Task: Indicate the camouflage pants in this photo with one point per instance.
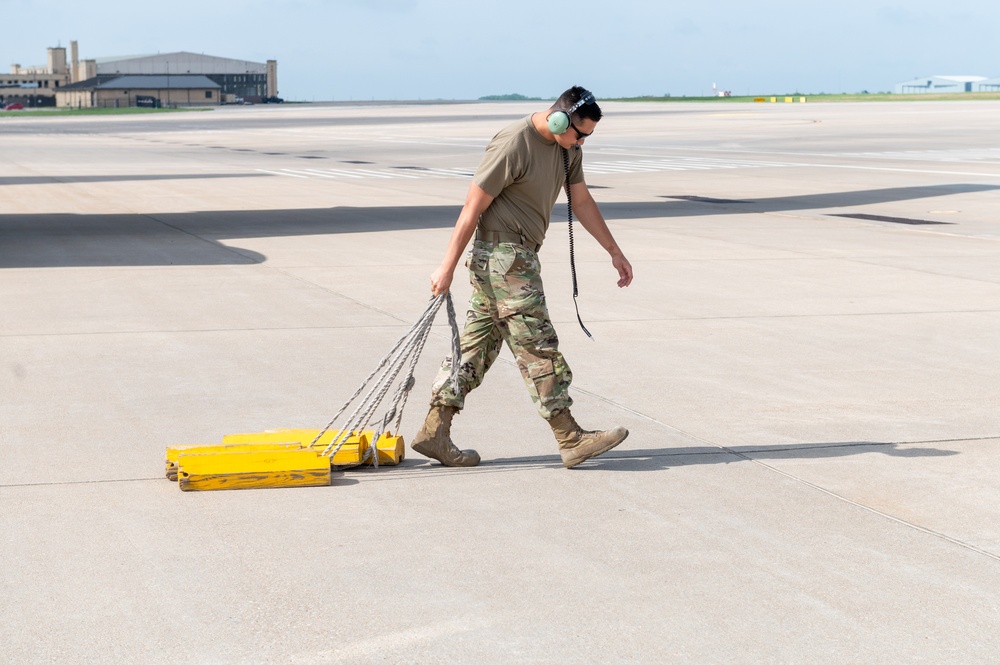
(507, 305)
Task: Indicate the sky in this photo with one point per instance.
(360, 50)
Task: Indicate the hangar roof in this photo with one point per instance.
(954, 79)
(181, 62)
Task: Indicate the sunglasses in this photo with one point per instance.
(579, 135)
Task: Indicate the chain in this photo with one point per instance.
(404, 353)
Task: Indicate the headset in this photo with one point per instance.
(559, 121)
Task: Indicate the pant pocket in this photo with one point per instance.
(502, 259)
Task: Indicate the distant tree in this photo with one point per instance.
(513, 97)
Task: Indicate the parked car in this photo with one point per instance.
(14, 106)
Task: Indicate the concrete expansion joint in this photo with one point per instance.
(105, 481)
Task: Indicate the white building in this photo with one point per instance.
(939, 84)
(989, 85)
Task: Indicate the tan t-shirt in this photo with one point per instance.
(524, 174)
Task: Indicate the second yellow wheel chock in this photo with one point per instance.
(276, 458)
(308, 457)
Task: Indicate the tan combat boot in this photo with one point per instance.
(434, 439)
(577, 444)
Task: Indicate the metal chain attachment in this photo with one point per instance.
(404, 354)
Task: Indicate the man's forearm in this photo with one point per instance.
(476, 203)
(590, 217)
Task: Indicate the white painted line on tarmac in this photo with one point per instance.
(319, 174)
(886, 168)
(290, 175)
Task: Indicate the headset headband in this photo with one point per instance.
(586, 98)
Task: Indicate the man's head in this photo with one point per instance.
(574, 116)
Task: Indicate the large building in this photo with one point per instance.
(180, 78)
(989, 85)
(154, 91)
(253, 81)
(37, 85)
(940, 84)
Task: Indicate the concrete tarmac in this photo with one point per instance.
(807, 362)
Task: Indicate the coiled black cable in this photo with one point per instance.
(572, 259)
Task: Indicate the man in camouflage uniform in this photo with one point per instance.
(508, 208)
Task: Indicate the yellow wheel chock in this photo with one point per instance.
(275, 458)
(308, 457)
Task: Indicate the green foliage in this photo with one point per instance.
(513, 97)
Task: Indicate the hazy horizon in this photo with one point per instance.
(358, 50)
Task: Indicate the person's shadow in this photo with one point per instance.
(658, 459)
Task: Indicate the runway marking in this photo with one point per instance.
(282, 173)
(974, 155)
(677, 164)
(402, 173)
(597, 167)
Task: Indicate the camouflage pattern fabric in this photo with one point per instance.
(508, 305)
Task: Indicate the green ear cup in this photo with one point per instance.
(558, 122)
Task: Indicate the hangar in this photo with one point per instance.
(939, 84)
(253, 81)
(989, 85)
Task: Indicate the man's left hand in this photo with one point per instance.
(624, 269)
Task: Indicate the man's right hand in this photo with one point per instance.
(441, 280)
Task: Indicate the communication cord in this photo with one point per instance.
(572, 259)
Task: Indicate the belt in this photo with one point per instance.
(497, 237)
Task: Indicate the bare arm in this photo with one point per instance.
(586, 210)
(476, 202)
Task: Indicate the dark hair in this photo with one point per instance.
(567, 100)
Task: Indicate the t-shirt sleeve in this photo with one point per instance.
(575, 166)
(497, 169)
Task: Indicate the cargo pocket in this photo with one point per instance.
(524, 301)
(543, 375)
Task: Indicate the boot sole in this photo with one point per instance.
(570, 465)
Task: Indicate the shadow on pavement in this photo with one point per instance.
(658, 459)
(655, 459)
(681, 205)
(193, 238)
